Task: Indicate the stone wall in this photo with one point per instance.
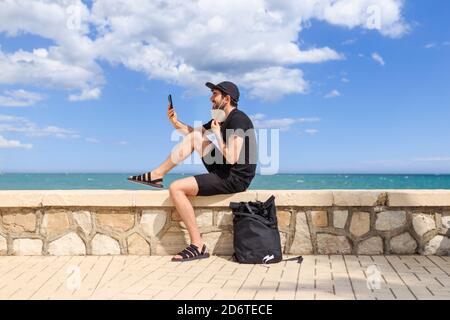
(103, 222)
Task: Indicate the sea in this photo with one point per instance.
(111, 181)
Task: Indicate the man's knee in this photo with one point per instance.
(186, 186)
(196, 138)
(174, 188)
(195, 135)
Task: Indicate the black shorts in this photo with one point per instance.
(218, 180)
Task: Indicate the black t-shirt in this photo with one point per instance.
(237, 122)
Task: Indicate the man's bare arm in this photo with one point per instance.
(177, 124)
(232, 149)
(183, 128)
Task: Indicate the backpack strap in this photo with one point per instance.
(248, 208)
(271, 198)
(299, 259)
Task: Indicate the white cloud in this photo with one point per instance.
(86, 94)
(10, 144)
(311, 131)
(333, 94)
(48, 19)
(348, 42)
(432, 159)
(283, 124)
(432, 45)
(19, 98)
(7, 118)
(68, 63)
(378, 58)
(92, 140)
(272, 83)
(409, 161)
(44, 68)
(381, 15)
(260, 121)
(30, 129)
(181, 42)
(53, 131)
(258, 116)
(385, 162)
(345, 80)
(122, 143)
(308, 119)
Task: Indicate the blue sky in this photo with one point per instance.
(371, 101)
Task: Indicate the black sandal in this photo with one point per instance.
(147, 180)
(192, 253)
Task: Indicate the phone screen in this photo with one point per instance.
(170, 101)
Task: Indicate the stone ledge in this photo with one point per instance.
(419, 198)
(160, 198)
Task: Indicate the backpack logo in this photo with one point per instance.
(268, 258)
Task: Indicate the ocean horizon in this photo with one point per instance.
(282, 181)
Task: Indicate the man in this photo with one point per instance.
(231, 165)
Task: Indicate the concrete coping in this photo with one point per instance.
(160, 198)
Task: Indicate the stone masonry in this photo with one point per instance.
(101, 222)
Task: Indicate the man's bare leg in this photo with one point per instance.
(179, 192)
(180, 189)
(192, 141)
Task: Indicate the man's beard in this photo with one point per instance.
(218, 105)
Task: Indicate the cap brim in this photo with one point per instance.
(210, 85)
(213, 86)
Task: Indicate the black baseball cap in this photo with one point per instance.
(227, 87)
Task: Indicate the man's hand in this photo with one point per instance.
(215, 127)
(172, 115)
(232, 149)
(178, 125)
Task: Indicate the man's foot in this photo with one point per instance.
(192, 252)
(149, 178)
(197, 244)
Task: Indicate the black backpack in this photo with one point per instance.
(256, 237)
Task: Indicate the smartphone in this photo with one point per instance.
(170, 101)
